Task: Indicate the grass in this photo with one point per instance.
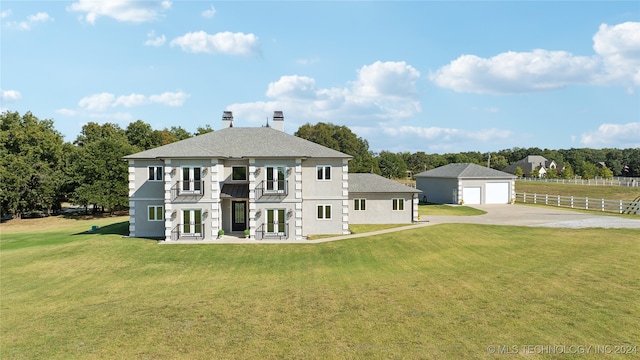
(446, 292)
(448, 210)
(590, 191)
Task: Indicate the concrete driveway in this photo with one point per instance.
(523, 215)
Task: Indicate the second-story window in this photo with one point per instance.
(155, 173)
(191, 180)
(324, 172)
(239, 173)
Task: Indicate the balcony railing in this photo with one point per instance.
(187, 188)
(277, 231)
(272, 188)
(188, 232)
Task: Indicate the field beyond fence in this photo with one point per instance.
(575, 202)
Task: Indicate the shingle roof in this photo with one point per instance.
(372, 183)
(464, 171)
(238, 142)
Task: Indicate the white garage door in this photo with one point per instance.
(471, 194)
(497, 193)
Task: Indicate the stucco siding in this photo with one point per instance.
(379, 209)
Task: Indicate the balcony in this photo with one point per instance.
(194, 231)
(271, 190)
(187, 188)
(272, 231)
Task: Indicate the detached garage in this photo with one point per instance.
(468, 183)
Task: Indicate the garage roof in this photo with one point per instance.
(372, 183)
(465, 171)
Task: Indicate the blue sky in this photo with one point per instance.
(428, 76)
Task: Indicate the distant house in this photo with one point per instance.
(531, 163)
(466, 183)
(374, 199)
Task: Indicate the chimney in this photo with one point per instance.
(278, 120)
(227, 119)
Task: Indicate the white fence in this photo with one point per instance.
(617, 206)
(616, 181)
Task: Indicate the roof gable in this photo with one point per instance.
(372, 183)
(237, 142)
(465, 171)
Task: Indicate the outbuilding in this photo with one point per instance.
(465, 183)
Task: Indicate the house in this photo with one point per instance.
(374, 199)
(273, 184)
(466, 183)
(531, 163)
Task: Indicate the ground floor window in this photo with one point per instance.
(324, 211)
(359, 204)
(398, 204)
(275, 221)
(155, 213)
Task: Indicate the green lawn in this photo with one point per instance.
(448, 210)
(590, 191)
(446, 292)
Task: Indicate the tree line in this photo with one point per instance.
(39, 170)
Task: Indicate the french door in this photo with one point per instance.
(275, 178)
(191, 180)
(275, 221)
(192, 222)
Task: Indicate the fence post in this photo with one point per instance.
(620, 208)
(524, 197)
(602, 204)
(572, 202)
(558, 200)
(546, 199)
(586, 203)
(535, 198)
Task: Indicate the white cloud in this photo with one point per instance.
(613, 135)
(381, 91)
(131, 100)
(224, 43)
(153, 40)
(516, 72)
(120, 10)
(619, 47)
(449, 134)
(10, 95)
(97, 102)
(32, 20)
(66, 112)
(616, 62)
(292, 87)
(170, 98)
(104, 101)
(382, 79)
(208, 14)
(5, 13)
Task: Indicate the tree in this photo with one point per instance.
(342, 139)
(140, 134)
(518, 172)
(200, 130)
(100, 170)
(567, 172)
(392, 165)
(30, 165)
(589, 170)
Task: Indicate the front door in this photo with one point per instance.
(239, 215)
